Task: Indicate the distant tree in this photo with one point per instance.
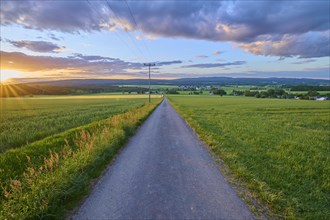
(263, 94)
(251, 93)
(216, 91)
(313, 93)
(237, 93)
(171, 91)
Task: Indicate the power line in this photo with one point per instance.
(138, 49)
(126, 31)
(134, 20)
(117, 35)
(130, 11)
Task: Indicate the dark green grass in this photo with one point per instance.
(278, 149)
(25, 120)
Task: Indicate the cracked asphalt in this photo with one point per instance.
(164, 172)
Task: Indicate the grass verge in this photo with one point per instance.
(48, 177)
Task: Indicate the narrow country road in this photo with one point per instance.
(164, 172)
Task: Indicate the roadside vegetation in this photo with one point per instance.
(276, 149)
(25, 120)
(46, 178)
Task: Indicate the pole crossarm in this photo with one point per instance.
(149, 64)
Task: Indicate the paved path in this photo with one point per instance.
(163, 173)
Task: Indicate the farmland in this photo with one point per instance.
(47, 177)
(24, 120)
(276, 149)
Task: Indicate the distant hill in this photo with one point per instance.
(249, 81)
(87, 86)
(186, 81)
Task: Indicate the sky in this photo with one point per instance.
(66, 39)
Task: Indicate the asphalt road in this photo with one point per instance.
(164, 172)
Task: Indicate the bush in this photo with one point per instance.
(220, 92)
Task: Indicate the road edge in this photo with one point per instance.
(257, 209)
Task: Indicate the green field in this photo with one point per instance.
(46, 178)
(24, 120)
(277, 150)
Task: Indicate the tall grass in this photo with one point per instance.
(45, 179)
(277, 149)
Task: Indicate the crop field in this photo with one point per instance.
(278, 150)
(24, 120)
(73, 139)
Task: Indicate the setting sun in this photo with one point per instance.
(7, 75)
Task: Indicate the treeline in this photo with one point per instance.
(171, 91)
(278, 93)
(18, 90)
(309, 88)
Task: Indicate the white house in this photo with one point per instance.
(321, 99)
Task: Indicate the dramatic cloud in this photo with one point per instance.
(77, 62)
(260, 24)
(212, 65)
(312, 44)
(66, 16)
(37, 46)
(23, 62)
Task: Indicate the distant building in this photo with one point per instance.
(321, 98)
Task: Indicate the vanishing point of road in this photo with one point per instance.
(164, 172)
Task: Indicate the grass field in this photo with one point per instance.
(24, 120)
(46, 178)
(276, 149)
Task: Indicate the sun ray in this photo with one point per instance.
(18, 88)
(21, 101)
(12, 91)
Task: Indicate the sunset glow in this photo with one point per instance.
(98, 41)
(6, 76)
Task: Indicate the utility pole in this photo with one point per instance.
(149, 65)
